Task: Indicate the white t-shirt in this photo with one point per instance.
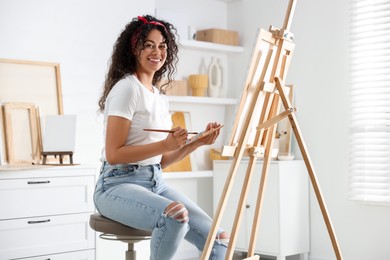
(131, 100)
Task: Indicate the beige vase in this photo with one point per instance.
(198, 84)
(215, 78)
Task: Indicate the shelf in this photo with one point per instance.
(209, 46)
(202, 100)
(187, 175)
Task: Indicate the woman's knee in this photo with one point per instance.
(223, 238)
(177, 212)
(223, 235)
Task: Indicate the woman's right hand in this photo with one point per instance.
(177, 139)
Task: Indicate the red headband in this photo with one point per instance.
(143, 19)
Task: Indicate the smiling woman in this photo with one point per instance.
(130, 189)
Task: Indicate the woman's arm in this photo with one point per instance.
(169, 158)
(118, 152)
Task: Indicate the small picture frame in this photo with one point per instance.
(21, 128)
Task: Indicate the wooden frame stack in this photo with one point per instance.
(27, 86)
(254, 131)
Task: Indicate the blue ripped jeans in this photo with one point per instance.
(137, 196)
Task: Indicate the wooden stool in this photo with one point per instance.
(112, 230)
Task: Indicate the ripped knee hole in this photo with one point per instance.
(223, 238)
(177, 211)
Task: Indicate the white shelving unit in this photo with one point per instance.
(193, 103)
(209, 46)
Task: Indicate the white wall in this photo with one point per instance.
(319, 70)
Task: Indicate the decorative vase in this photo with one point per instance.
(215, 78)
(198, 84)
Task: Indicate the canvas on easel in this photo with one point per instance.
(59, 138)
(254, 130)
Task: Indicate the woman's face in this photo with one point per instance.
(153, 54)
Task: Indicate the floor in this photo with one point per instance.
(240, 256)
(236, 256)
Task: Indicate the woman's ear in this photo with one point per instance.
(134, 51)
(136, 54)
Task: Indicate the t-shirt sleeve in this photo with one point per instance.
(122, 100)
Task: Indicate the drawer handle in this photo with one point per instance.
(38, 221)
(38, 182)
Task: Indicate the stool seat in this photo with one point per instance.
(112, 230)
(105, 225)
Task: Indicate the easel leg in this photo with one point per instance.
(268, 98)
(270, 135)
(260, 196)
(221, 206)
(240, 207)
(313, 178)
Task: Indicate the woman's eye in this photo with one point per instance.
(163, 47)
(149, 46)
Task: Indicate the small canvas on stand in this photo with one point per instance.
(59, 137)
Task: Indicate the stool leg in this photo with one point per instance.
(130, 253)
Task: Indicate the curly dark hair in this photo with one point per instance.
(131, 41)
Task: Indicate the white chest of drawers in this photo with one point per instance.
(45, 212)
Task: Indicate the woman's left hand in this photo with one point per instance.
(210, 139)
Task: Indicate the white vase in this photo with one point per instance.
(215, 78)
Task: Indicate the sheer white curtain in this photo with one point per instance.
(369, 165)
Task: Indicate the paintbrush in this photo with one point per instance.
(167, 131)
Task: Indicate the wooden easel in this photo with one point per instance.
(263, 95)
